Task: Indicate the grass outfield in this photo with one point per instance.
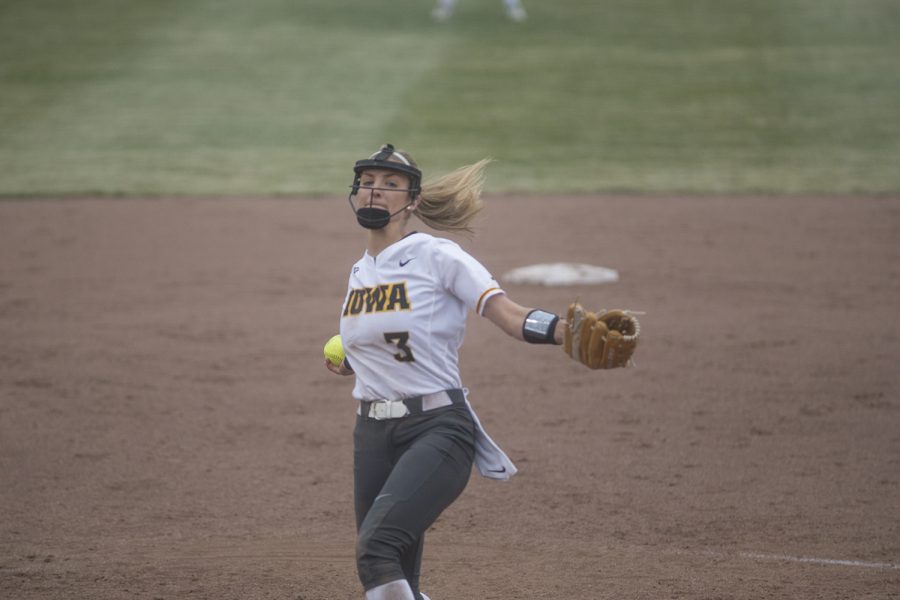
(281, 96)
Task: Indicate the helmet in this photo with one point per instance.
(371, 217)
(382, 160)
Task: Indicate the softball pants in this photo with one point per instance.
(406, 472)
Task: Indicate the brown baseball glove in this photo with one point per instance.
(603, 340)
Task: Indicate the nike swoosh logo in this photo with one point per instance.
(501, 470)
(403, 263)
(377, 498)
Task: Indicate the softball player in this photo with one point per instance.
(514, 10)
(402, 323)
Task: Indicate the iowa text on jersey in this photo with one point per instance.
(382, 298)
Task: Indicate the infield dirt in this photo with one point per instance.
(168, 429)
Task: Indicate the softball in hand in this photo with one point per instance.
(334, 351)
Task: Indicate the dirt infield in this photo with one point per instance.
(167, 429)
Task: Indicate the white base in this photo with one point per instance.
(561, 274)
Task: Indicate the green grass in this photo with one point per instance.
(281, 96)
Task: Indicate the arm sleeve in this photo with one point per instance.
(463, 276)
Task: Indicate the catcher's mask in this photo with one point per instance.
(370, 216)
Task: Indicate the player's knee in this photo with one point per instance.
(378, 555)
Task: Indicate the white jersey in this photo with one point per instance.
(404, 316)
(404, 319)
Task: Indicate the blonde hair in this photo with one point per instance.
(451, 202)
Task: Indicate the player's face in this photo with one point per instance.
(383, 189)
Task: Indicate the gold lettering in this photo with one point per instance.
(382, 294)
(356, 302)
(383, 298)
(398, 300)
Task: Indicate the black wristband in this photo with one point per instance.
(347, 364)
(539, 327)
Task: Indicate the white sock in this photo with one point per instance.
(395, 590)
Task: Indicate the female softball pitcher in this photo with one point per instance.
(402, 324)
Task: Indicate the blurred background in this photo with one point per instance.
(279, 97)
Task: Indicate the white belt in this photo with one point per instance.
(396, 409)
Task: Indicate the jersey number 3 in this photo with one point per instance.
(400, 339)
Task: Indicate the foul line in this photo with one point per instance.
(820, 561)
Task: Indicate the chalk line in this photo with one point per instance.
(820, 561)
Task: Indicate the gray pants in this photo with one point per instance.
(406, 472)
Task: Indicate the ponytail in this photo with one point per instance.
(450, 202)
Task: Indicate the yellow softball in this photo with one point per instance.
(334, 350)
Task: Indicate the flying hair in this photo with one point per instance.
(451, 202)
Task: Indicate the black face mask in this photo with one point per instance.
(372, 217)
